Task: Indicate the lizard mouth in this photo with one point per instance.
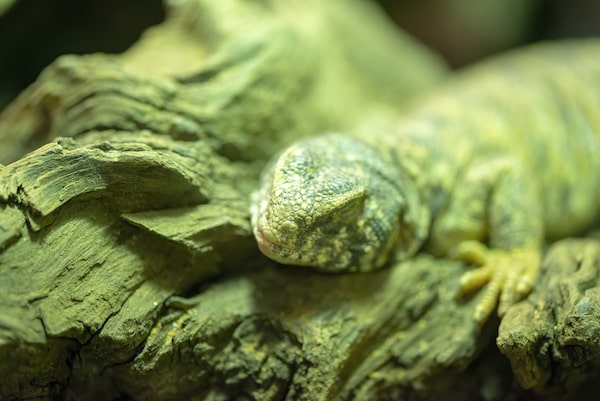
(271, 249)
(263, 244)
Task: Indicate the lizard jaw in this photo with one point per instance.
(272, 248)
(264, 240)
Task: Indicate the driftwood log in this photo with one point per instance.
(127, 266)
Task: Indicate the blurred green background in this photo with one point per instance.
(34, 32)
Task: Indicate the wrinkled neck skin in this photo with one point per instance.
(411, 198)
(429, 157)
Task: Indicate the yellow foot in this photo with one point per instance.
(507, 275)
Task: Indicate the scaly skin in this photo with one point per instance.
(484, 170)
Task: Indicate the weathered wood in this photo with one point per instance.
(264, 66)
(284, 333)
(552, 339)
(126, 184)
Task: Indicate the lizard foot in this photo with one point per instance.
(507, 275)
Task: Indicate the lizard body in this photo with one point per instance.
(506, 154)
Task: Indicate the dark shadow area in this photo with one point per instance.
(34, 32)
(466, 31)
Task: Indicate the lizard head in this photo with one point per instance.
(327, 202)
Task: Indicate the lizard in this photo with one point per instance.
(486, 169)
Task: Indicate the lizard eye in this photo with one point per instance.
(343, 210)
(348, 206)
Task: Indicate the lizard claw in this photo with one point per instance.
(507, 275)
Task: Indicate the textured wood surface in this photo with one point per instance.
(127, 267)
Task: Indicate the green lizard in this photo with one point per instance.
(499, 159)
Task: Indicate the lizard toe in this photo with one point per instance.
(506, 276)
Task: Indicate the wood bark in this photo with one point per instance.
(127, 266)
